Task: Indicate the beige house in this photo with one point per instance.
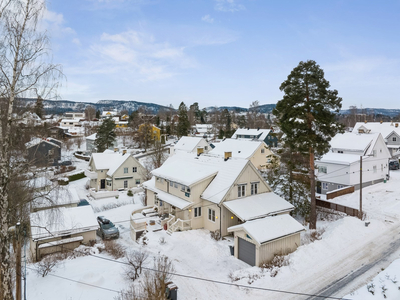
(254, 150)
(61, 230)
(114, 171)
(211, 192)
(189, 144)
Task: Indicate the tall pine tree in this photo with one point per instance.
(183, 122)
(106, 136)
(306, 115)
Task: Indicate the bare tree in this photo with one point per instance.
(24, 72)
(90, 112)
(135, 259)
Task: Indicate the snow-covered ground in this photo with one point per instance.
(346, 245)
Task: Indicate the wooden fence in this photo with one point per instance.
(340, 192)
(344, 209)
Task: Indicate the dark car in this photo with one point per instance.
(83, 202)
(66, 163)
(107, 229)
(394, 165)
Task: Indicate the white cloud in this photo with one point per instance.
(140, 55)
(207, 19)
(76, 41)
(228, 5)
(54, 23)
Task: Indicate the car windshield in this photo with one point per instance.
(107, 226)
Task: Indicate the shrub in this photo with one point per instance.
(135, 260)
(114, 249)
(77, 176)
(129, 193)
(275, 264)
(216, 235)
(162, 241)
(47, 264)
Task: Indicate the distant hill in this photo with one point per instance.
(374, 111)
(265, 108)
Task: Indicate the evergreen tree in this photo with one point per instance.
(105, 135)
(39, 107)
(98, 114)
(183, 122)
(306, 115)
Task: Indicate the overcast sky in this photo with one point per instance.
(224, 52)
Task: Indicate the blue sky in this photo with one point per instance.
(224, 52)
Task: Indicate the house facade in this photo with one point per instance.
(211, 192)
(188, 144)
(153, 131)
(256, 151)
(390, 132)
(340, 167)
(265, 135)
(114, 171)
(43, 152)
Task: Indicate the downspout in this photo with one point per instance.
(220, 221)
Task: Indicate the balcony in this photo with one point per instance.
(91, 174)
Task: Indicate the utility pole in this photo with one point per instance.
(361, 213)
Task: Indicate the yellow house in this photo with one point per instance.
(155, 131)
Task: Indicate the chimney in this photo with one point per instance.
(396, 125)
(258, 128)
(200, 150)
(124, 151)
(115, 149)
(365, 121)
(381, 121)
(227, 155)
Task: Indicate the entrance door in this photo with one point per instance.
(247, 252)
(102, 183)
(319, 187)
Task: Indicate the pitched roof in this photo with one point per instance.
(385, 128)
(64, 220)
(187, 143)
(355, 142)
(108, 161)
(258, 206)
(339, 158)
(92, 137)
(37, 141)
(241, 148)
(269, 228)
(261, 133)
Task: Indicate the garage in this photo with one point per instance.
(258, 241)
(247, 252)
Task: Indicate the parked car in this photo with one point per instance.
(107, 229)
(66, 163)
(83, 202)
(394, 165)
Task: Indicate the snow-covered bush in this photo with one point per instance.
(47, 264)
(114, 249)
(275, 264)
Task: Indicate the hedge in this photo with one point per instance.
(77, 176)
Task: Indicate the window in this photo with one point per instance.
(254, 188)
(175, 185)
(183, 188)
(262, 150)
(322, 169)
(340, 152)
(158, 179)
(125, 184)
(188, 189)
(137, 181)
(125, 170)
(134, 169)
(205, 147)
(108, 182)
(324, 185)
(211, 215)
(197, 212)
(160, 203)
(374, 152)
(241, 190)
(374, 168)
(171, 183)
(381, 167)
(51, 152)
(394, 139)
(340, 186)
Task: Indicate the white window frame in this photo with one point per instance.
(175, 185)
(134, 169)
(183, 188)
(322, 169)
(171, 183)
(394, 139)
(211, 215)
(126, 170)
(137, 181)
(241, 190)
(197, 212)
(254, 188)
(374, 168)
(340, 186)
(324, 185)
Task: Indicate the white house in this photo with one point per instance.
(254, 150)
(62, 229)
(215, 193)
(74, 115)
(340, 167)
(190, 145)
(68, 123)
(113, 171)
(390, 132)
(265, 135)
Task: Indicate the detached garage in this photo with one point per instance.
(260, 240)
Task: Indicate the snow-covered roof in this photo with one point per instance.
(385, 128)
(39, 182)
(339, 158)
(108, 161)
(260, 133)
(187, 143)
(62, 221)
(62, 195)
(242, 148)
(92, 137)
(188, 168)
(171, 199)
(73, 120)
(355, 142)
(257, 206)
(36, 141)
(269, 228)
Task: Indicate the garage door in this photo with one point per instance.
(247, 252)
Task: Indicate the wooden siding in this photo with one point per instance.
(281, 246)
(227, 221)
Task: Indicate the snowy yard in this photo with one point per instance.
(346, 244)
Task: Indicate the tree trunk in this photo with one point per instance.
(18, 294)
(313, 212)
